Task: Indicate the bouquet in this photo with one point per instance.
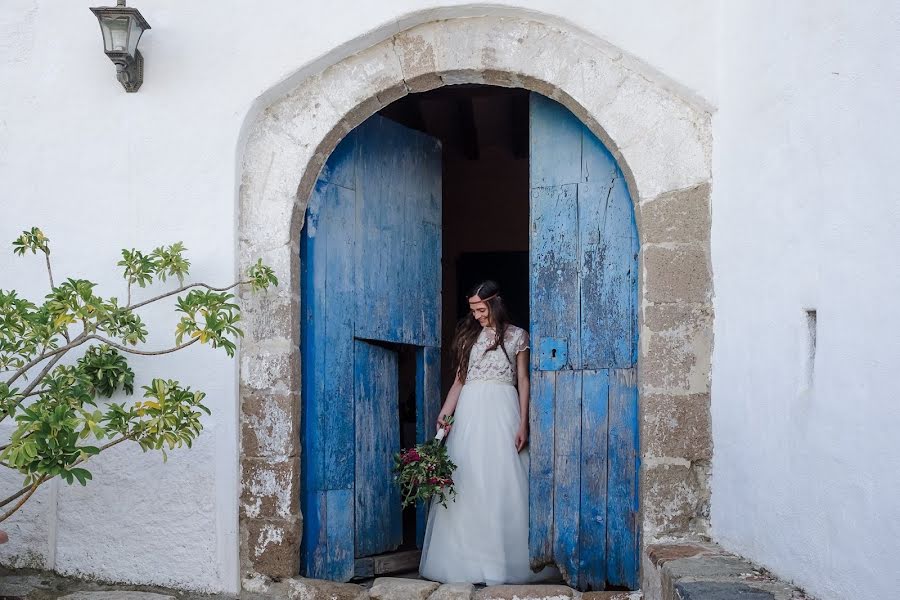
(426, 471)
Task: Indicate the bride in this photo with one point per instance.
(482, 537)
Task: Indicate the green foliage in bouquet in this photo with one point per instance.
(59, 422)
(425, 472)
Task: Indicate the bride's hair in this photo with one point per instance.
(468, 328)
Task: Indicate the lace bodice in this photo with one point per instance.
(494, 365)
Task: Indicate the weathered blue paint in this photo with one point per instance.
(584, 249)
(622, 508)
(592, 528)
(428, 404)
(379, 527)
(370, 272)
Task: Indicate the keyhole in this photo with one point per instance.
(553, 353)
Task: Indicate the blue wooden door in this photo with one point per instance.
(370, 282)
(584, 441)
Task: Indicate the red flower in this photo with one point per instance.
(411, 456)
(434, 481)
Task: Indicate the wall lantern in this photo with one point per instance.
(122, 28)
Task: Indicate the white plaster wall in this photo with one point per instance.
(99, 170)
(806, 214)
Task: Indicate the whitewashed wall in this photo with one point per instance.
(99, 170)
(806, 214)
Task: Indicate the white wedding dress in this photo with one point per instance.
(482, 536)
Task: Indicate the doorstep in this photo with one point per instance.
(400, 588)
(705, 571)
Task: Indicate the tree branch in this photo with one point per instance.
(82, 338)
(28, 494)
(144, 352)
(185, 288)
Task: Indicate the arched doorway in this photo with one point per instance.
(659, 138)
(371, 282)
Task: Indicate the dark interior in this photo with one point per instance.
(484, 135)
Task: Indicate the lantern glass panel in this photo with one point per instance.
(115, 33)
(134, 35)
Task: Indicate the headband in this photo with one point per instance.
(491, 297)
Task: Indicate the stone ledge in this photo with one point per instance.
(705, 571)
(397, 588)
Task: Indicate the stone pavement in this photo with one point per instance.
(29, 584)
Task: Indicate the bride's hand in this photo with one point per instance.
(521, 437)
(443, 424)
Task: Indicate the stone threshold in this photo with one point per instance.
(705, 571)
(398, 588)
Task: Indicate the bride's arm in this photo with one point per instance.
(449, 406)
(522, 368)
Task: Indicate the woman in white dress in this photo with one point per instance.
(482, 536)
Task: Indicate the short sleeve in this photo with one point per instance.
(523, 342)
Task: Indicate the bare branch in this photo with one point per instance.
(28, 494)
(185, 288)
(82, 338)
(144, 352)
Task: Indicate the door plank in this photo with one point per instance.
(595, 398)
(379, 527)
(554, 270)
(609, 274)
(540, 495)
(567, 473)
(338, 373)
(622, 508)
(555, 144)
(428, 405)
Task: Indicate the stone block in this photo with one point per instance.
(660, 554)
(677, 273)
(720, 590)
(681, 216)
(676, 426)
(273, 546)
(678, 318)
(361, 77)
(116, 595)
(611, 596)
(270, 425)
(270, 490)
(271, 367)
(319, 589)
(453, 591)
(396, 588)
(673, 499)
(525, 592)
(675, 364)
(266, 319)
(415, 51)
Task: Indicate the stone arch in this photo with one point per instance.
(660, 137)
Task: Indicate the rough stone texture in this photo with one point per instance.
(116, 595)
(661, 140)
(267, 544)
(269, 425)
(611, 596)
(715, 590)
(705, 571)
(453, 591)
(681, 216)
(23, 585)
(525, 592)
(269, 489)
(317, 589)
(677, 273)
(396, 588)
(677, 426)
(675, 498)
